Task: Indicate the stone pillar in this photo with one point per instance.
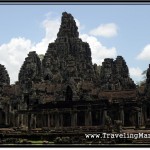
(42, 120)
(141, 117)
(9, 113)
(61, 120)
(88, 117)
(74, 118)
(122, 115)
(52, 120)
(29, 122)
(17, 120)
(21, 120)
(34, 120)
(6, 117)
(49, 122)
(13, 119)
(56, 119)
(100, 114)
(104, 115)
(145, 113)
(137, 119)
(46, 120)
(26, 120)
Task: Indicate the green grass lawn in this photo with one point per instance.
(40, 142)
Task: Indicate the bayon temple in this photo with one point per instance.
(65, 89)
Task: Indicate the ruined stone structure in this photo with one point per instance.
(66, 90)
(115, 75)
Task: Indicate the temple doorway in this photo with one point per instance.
(95, 118)
(2, 118)
(81, 118)
(66, 119)
(69, 94)
(129, 118)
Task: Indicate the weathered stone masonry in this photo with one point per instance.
(66, 90)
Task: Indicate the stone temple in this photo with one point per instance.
(66, 90)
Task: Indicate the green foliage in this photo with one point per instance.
(58, 140)
(63, 140)
(10, 141)
(142, 83)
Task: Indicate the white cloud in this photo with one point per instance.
(13, 55)
(105, 30)
(51, 27)
(135, 71)
(145, 53)
(80, 27)
(99, 52)
(136, 74)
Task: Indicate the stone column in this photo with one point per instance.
(137, 119)
(29, 122)
(61, 120)
(141, 116)
(74, 118)
(49, 122)
(26, 120)
(42, 120)
(100, 114)
(17, 120)
(9, 113)
(145, 113)
(21, 120)
(56, 119)
(46, 120)
(88, 117)
(104, 115)
(52, 120)
(6, 117)
(122, 115)
(34, 121)
(13, 119)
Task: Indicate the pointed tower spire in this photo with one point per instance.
(4, 76)
(68, 26)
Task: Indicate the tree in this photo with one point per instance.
(142, 83)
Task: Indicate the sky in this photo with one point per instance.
(110, 30)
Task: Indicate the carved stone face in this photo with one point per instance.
(29, 60)
(31, 68)
(107, 64)
(119, 63)
(4, 77)
(65, 23)
(1, 89)
(47, 63)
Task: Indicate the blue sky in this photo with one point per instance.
(111, 30)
